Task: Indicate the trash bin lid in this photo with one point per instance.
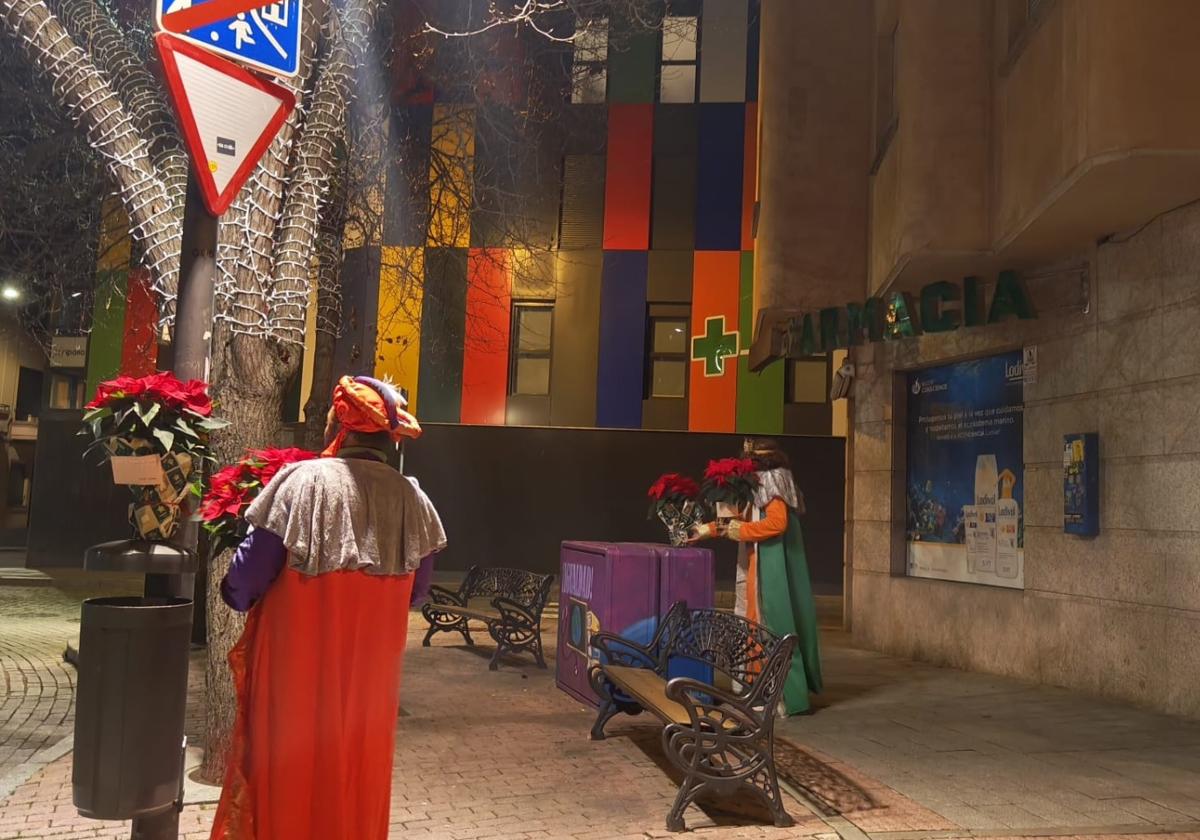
(136, 612)
(141, 556)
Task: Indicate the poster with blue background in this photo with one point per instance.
(965, 471)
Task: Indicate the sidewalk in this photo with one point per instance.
(899, 751)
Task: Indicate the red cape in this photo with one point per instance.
(318, 680)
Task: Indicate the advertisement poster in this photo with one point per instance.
(965, 472)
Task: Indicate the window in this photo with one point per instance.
(808, 381)
(533, 328)
(887, 115)
(668, 356)
(66, 391)
(589, 68)
(678, 71)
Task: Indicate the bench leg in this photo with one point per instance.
(688, 791)
(768, 789)
(608, 710)
(537, 649)
(459, 627)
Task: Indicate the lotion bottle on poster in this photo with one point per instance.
(987, 479)
(1008, 518)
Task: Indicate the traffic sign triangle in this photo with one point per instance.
(228, 116)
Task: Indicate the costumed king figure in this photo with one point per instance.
(326, 574)
(773, 586)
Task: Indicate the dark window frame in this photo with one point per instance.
(694, 62)
(515, 353)
(667, 313)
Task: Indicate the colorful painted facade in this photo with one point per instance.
(638, 259)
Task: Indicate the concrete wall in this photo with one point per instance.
(1116, 616)
(930, 191)
(814, 100)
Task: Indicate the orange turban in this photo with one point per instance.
(368, 406)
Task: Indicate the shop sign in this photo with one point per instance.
(938, 308)
(68, 351)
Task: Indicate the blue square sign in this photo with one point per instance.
(266, 38)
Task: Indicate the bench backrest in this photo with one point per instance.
(526, 588)
(747, 652)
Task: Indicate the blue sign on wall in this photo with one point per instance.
(267, 38)
(965, 476)
(1081, 485)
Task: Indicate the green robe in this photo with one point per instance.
(786, 599)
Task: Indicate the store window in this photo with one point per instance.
(533, 330)
(678, 70)
(66, 391)
(668, 357)
(589, 68)
(807, 381)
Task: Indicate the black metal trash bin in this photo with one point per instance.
(130, 701)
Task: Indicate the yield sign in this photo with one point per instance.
(228, 116)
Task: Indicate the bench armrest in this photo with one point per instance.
(510, 610)
(715, 707)
(441, 595)
(614, 650)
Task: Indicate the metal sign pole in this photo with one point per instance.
(192, 340)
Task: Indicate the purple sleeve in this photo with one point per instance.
(422, 581)
(259, 560)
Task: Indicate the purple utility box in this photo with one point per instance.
(621, 588)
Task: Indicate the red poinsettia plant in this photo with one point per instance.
(730, 481)
(156, 414)
(232, 489)
(672, 489)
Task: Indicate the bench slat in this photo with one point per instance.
(650, 690)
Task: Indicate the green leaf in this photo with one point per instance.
(182, 425)
(211, 424)
(166, 438)
(96, 414)
(147, 415)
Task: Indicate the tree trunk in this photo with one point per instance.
(250, 378)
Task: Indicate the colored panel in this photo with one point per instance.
(406, 220)
(750, 177)
(632, 65)
(105, 343)
(485, 353)
(451, 169)
(139, 347)
(712, 386)
(622, 340)
(675, 130)
(627, 186)
(583, 202)
(670, 277)
(573, 372)
(753, 40)
(674, 222)
(354, 353)
(723, 43)
(719, 183)
(443, 322)
(398, 334)
(759, 395)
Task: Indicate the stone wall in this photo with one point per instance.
(1117, 616)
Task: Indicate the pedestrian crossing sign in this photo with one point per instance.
(262, 34)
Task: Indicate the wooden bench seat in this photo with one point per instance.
(721, 738)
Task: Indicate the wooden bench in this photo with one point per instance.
(509, 601)
(722, 738)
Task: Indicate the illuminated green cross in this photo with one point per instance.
(715, 346)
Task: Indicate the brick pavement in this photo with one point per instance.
(902, 751)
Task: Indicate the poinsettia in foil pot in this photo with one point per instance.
(674, 500)
(154, 432)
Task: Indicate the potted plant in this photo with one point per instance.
(232, 489)
(673, 499)
(729, 485)
(154, 431)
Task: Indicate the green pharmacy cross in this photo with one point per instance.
(715, 346)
